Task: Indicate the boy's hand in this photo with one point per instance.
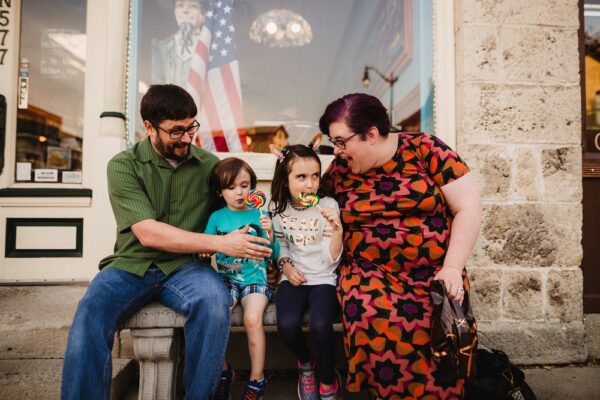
(331, 215)
(267, 225)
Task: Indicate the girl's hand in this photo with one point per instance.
(331, 215)
(204, 255)
(453, 281)
(267, 225)
(294, 275)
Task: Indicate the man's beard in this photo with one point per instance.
(168, 151)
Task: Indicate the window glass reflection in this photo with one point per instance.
(50, 118)
(262, 72)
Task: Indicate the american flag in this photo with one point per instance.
(214, 82)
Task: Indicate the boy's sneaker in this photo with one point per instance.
(224, 389)
(307, 382)
(255, 390)
(334, 392)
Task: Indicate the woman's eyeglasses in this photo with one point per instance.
(341, 143)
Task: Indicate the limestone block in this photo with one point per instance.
(561, 55)
(491, 167)
(522, 297)
(479, 52)
(532, 12)
(522, 48)
(536, 342)
(486, 293)
(530, 235)
(564, 288)
(561, 169)
(493, 113)
(592, 334)
(123, 344)
(525, 183)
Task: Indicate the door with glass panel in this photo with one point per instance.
(591, 156)
(43, 202)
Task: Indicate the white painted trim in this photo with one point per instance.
(45, 202)
(444, 71)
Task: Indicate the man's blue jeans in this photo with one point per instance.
(194, 290)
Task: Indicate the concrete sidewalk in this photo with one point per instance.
(550, 383)
(556, 383)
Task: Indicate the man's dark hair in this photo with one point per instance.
(359, 111)
(162, 102)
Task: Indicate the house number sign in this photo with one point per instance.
(5, 8)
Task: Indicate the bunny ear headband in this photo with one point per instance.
(280, 152)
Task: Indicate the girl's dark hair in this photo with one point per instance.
(280, 192)
(225, 171)
(162, 102)
(359, 111)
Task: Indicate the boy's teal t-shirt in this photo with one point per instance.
(240, 270)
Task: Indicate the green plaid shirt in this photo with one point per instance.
(143, 185)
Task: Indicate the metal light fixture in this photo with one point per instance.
(281, 28)
(390, 80)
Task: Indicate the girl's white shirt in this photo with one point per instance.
(304, 236)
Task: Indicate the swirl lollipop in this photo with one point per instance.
(256, 198)
(310, 200)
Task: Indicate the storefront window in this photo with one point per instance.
(51, 85)
(591, 141)
(262, 74)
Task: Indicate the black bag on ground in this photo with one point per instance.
(497, 378)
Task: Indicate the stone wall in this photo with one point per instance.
(519, 129)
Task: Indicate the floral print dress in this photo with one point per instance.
(396, 233)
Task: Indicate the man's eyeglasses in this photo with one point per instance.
(178, 133)
(341, 143)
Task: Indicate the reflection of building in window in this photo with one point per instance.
(172, 56)
(260, 137)
(42, 142)
(201, 57)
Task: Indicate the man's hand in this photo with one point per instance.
(240, 244)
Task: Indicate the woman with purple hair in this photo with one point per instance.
(411, 214)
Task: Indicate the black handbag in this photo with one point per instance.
(453, 335)
(497, 378)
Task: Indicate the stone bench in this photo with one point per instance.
(157, 335)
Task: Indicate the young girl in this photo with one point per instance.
(311, 246)
(232, 179)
